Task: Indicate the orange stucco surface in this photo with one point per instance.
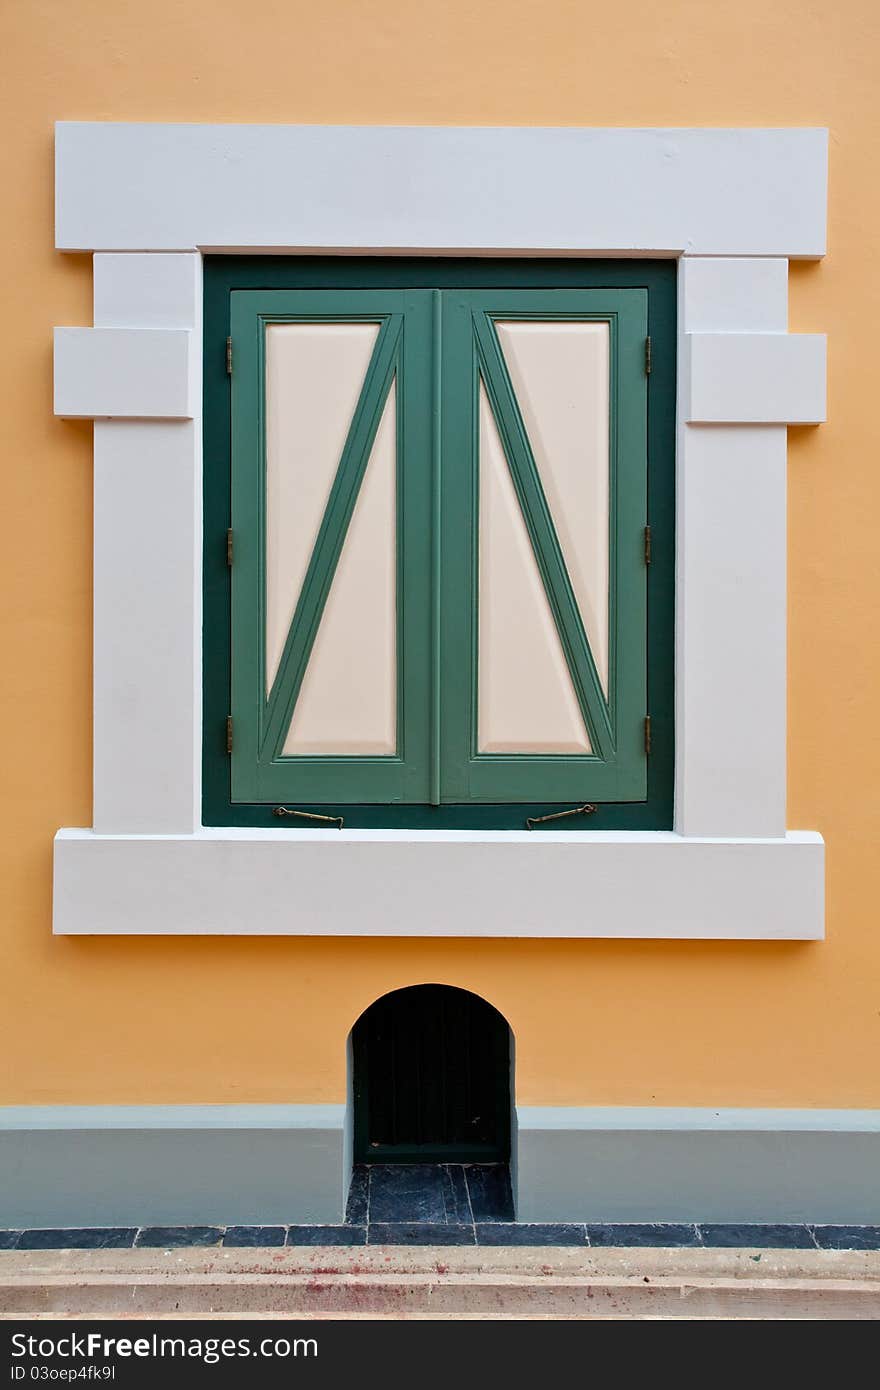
(149, 1021)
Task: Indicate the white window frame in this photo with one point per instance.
(733, 206)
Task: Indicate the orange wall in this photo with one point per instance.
(202, 1020)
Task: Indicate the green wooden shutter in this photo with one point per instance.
(486, 412)
(472, 678)
(319, 374)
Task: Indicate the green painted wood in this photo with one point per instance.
(260, 770)
(226, 275)
(437, 298)
(616, 770)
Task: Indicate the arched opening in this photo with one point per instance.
(430, 1112)
(431, 1079)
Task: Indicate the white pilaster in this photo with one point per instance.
(730, 577)
(147, 632)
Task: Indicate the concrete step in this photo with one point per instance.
(441, 1282)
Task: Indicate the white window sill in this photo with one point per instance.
(246, 882)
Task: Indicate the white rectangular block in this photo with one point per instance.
(228, 882)
(135, 187)
(123, 373)
(151, 290)
(147, 628)
(755, 378)
(730, 632)
(731, 294)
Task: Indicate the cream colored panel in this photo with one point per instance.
(527, 703)
(560, 373)
(348, 699)
(314, 375)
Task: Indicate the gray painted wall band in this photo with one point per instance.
(692, 1117)
(693, 1164)
(158, 1165)
(171, 1116)
(174, 1165)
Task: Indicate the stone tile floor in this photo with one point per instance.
(447, 1193)
(445, 1204)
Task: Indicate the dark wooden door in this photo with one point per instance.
(431, 1079)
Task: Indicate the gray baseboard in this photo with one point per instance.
(620, 1164)
(171, 1165)
(265, 1165)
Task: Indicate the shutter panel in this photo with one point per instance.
(544, 508)
(439, 588)
(330, 580)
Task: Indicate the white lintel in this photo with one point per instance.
(473, 190)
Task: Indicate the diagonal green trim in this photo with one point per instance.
(331, 537)
(542, 534)
(436, 540)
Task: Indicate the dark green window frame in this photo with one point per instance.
(506, 286)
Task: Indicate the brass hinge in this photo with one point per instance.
(586, 810)
(229, 546)
(308, 815)
(647, 545)
(647, 357)
(229, 733)
(229, 357)
(647, 733)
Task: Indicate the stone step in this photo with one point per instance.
(441, 1282)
